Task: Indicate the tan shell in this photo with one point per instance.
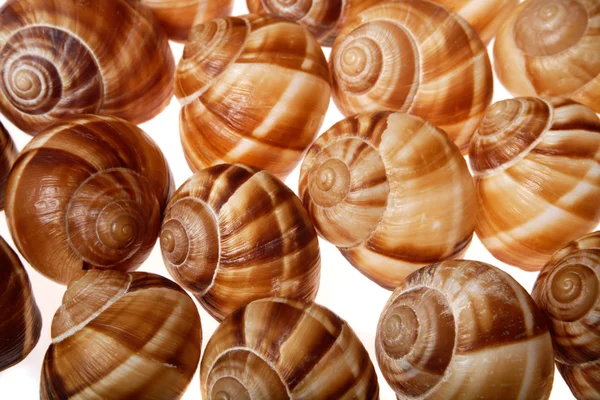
(391, 191)
(87, 193)
(416, 57)
(464, 329)
(286, 349)
(551, 49)
(254, 90)
(537, 177)
(568, 291)
(233, 234)
(177, 17)
(70, 57)
(8, 154)
(20, 319)
(122, 336)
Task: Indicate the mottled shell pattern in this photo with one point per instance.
(87, 193)
(233, 234)
(120, 336)
(537, 175)
(177, 17)
(20, 318)
(568, 291)
(464, 329)
(58, 58)
(254, 90)
(551, 49)
(416, 57)
(8, 154)
(391, 191)
(283, 349)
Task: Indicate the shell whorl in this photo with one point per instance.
(8, 154)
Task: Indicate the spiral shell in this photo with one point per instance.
(416, 57)
(233, 234)
(464, 329)
(537, 177)
(20, 319)
(68, 57)
(551, 49)
(286, 349)
(8, 154)
(254, 90)
(177, 17)
(568, 291)
(372, 185)
(123, 336)
(87, 193)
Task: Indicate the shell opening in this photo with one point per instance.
(573, 289)
(400, 331)
(331, 182)
(228, 388)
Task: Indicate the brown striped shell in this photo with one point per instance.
(232, 234)
(537, 176)
(69, 57)
(254, 90)
(20, 319)
(87, 193)
(568, 291)
(464, 329)
(8, 154)
(286, 349)
(551, 49)
(416, 57)
(121, 336)
(391, 191)
(177, 17)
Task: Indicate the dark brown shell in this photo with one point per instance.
(8, 154)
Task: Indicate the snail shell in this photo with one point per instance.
(551, 49)
(254, 90)
(537, 177)
(177, 17)
(286, 349)
(8, 154)
(20, 319)
(123, 336)
(372, 185)
(70, 57)
(568, 291)
(464, 329)
(87, 193)
(233, 234)
(444, 75)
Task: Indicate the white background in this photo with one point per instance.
(343, 289)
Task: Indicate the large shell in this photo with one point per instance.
(87, 193)
(70, 57)
(568, 291)
(551, 49)
(286, 349)
(254, 90)
(464, 329)
(177, 17)
(417, 57)
(537, 177)
(8, 154)
(20, 319)
(232, 234)
(391, 191)
(120, 336)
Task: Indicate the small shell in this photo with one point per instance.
(20, 319)
(232, 234)
(416, 57)
(8, 154)
(372, 185)
(464, 329)
(551, 49)
(537, 177)
(286, 349)
(568, 291)
(122, 336)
